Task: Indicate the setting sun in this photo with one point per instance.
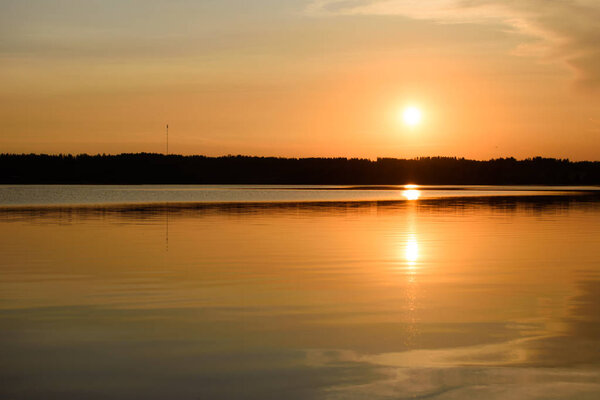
(412, 116)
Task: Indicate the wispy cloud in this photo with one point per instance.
(565, 30)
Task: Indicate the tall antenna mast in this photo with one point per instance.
(167, 139)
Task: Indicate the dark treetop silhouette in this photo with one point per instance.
(158, 168)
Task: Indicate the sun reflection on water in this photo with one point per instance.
(411, 251)
(410, 192)
(411, 257)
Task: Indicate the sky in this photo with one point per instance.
(301, 78)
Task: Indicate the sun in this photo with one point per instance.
(412, 116)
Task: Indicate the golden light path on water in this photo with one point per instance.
(411, 192)
(411, 248)
(411, 252)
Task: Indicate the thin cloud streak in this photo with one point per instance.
(566, 30)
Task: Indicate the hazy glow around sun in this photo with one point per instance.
(412, 116)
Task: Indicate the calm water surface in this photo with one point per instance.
(24, 195)
(470, 297)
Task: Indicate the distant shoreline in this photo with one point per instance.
(149, 168)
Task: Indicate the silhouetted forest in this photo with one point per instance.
(158, 168)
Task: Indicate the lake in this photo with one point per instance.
(299, 292)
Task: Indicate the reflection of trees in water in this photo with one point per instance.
(546, 204)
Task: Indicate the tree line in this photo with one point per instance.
(151, 168)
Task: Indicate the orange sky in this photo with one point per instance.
(301, 77)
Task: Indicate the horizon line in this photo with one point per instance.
(172, 155)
